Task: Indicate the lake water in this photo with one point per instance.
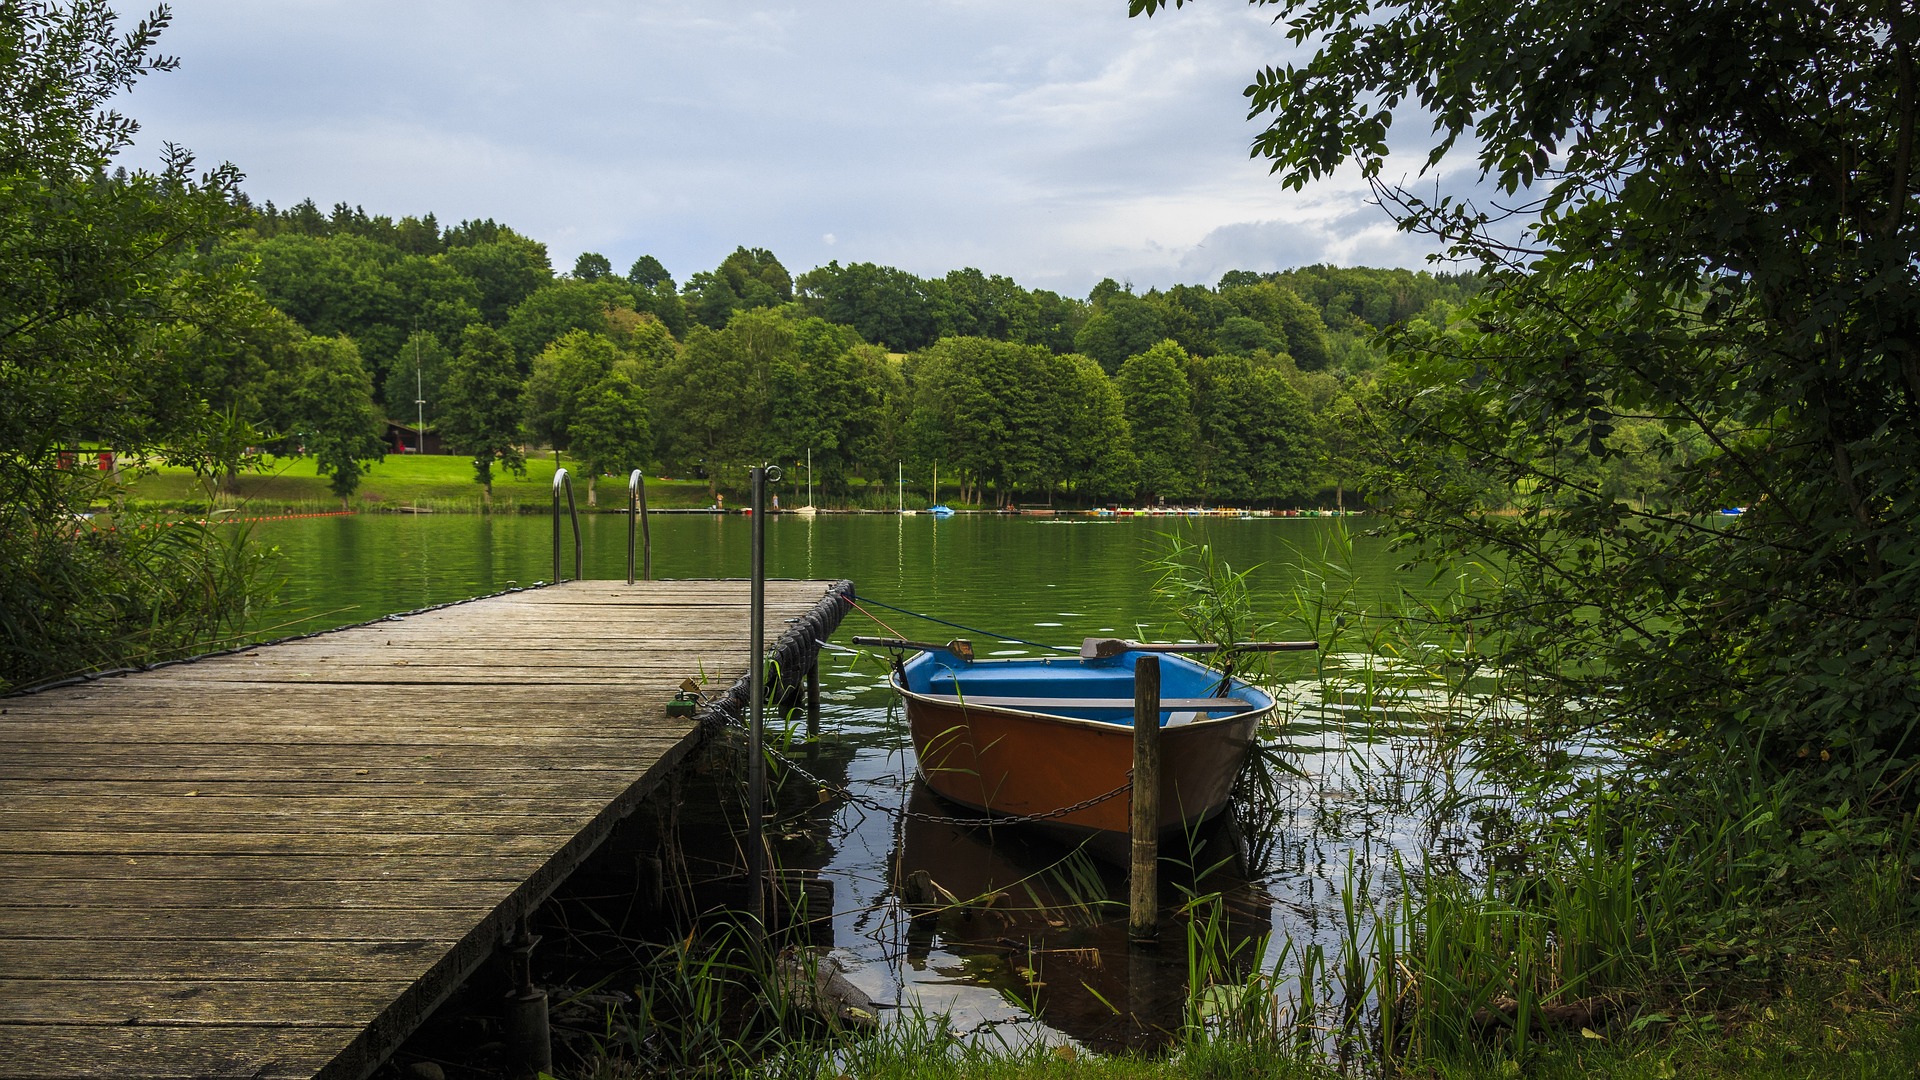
(1051, 959)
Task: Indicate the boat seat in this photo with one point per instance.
(1040, 704)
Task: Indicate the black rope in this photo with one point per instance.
(958, 626)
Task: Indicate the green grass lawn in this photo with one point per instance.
(433, 481)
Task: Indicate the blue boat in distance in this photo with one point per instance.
(940, 510)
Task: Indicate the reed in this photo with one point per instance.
(1585, 912)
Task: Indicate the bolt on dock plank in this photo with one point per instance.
(276, 863)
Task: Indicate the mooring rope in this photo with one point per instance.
(875, 618)
(955, 625)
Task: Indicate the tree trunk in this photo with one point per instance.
(590, 498)
(486, 497)
(1339, 496)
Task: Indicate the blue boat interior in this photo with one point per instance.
(1068, 686)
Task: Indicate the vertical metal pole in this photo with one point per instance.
(900, 487)
(637, 518)
(757, 676)
(528, 1037)
(1143, 893)
(579, 554)
(559, 476)
(646, 534)
(813, 699)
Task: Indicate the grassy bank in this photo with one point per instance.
(441, 483)
(444, 483)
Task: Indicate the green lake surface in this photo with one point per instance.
(1055, 578)
(1054, 968)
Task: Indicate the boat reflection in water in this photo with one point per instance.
(1046, 925)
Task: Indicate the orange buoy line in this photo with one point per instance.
(281, 517)
(230, 520)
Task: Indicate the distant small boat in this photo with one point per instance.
(1734, 511)
(1050, 739)
(803, 511)
(940, 510)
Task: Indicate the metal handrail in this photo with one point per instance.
(560, 480)
(637, 509)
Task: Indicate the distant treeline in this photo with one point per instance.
(1243, 391)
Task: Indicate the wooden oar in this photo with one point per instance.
(959, 647)
(1100, 648)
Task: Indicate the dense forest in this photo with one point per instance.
(1245, 391)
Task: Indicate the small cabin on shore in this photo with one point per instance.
(404, 438)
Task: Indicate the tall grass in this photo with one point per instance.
(1581, 905)
(1585, 894)
(77, 597)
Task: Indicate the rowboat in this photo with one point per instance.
(1049, 740)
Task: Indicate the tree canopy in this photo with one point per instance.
(1709, 264)
(107, 303)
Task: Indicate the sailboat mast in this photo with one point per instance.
(809, 476)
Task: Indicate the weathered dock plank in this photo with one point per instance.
(277, 862)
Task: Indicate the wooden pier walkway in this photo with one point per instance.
(276, 863)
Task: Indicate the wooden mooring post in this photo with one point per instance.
(1143, 894)
(757, 702)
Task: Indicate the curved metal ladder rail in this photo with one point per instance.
(637, 519)
(560, 480)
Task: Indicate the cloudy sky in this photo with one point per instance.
(1055, 141)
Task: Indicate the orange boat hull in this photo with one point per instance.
(1021, 764)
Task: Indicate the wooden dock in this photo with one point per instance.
(276, 863)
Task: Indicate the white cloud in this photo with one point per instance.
(1057, 143)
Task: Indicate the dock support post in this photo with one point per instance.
(528, 1038)
(813, 700)
(1143, 894)
(757, 676)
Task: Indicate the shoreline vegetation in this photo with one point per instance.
(1640, 935)
(1698, 286)
(405, 483)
